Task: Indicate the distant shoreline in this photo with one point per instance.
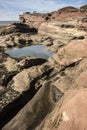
(7, 22)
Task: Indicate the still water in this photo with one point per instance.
(34, 50)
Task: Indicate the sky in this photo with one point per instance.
(11, 9)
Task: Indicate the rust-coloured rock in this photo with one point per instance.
(40, 94)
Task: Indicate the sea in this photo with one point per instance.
(7, 22)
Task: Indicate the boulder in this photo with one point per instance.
(69, 114)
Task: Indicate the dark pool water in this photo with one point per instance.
(34, 50)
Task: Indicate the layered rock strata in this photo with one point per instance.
(40, 94)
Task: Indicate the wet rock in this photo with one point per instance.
(16, 27)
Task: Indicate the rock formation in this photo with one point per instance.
(40, 94)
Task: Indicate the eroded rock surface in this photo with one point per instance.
(40, 94)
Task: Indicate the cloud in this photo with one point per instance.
(13, 8)
(5, 6)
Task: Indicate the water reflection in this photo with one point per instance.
(34, 50)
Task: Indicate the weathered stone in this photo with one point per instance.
(73, 108)
(37, 94)
(35, 111)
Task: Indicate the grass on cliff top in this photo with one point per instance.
(84, 7)
(69, 8)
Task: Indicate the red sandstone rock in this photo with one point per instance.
(73, 52)
(70, 114)
(36, 19)
(61, 103)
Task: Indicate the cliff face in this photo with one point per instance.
(36, 19)
(39, 94)
(32, 19)
(83, 8)
(64, 25)
(61, 26)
